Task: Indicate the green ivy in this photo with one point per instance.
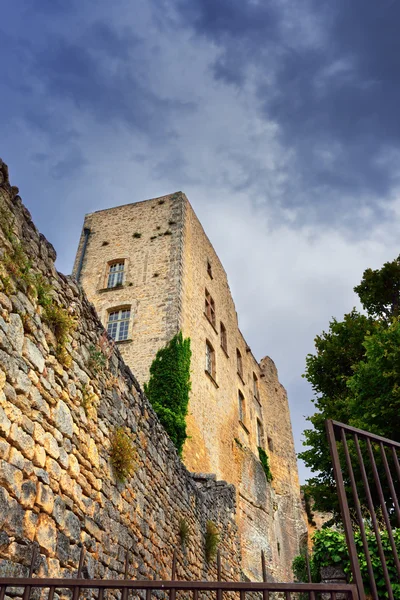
(169, 386)
(330, 548)
(264, 460)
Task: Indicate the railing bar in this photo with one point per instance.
(101, 594)
(195, 595)
(359, 515)
(344, 509)
(390, 482)
(124, 592)
(396, 464)
(312, 594)
(172, 594)
(333, 594)
(242, 595)
(366, 434)
(148, 594)
(77, 589)
(383, 505)
(219, 591)
(287, 595)
(264, 574)
(373, 517)
(3, 591)
(51, 593)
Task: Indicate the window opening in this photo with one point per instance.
(118, 324)
(210, 308)
(209, 269)
(115, 274)
(256, 391)
(241, 406)
(210, 360)
(260, 434)
(224, 339)
(239, 363)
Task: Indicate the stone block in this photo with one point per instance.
(22, 441)
(63, 418)
(33, 354)
(22, 383)
(16, 459)
(46, 534)
(11, 478)
(15, 332)
(30, 524)
(5, 423)
(28, 494)
(53, 468)
(4, 449)
(4, 505)
(72, 526)
(51, 446)
(45, 498)
(39, 458)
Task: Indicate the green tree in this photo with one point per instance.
(355, 374)
(169, 386)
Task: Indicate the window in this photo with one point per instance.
(118, 324)
(209, 269)
(241, 406)
(210, 359)
(210, 308)
(255, 387)
(260, 434)
(239, 363)
(224, 339)
(115, 274)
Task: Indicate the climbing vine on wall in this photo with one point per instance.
(264, 460)
(169, 386)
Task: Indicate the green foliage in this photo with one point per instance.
(355, 374)
(97, 359)
(7, 223)
(330, 549)
(122, 455)
(137, 235)
(43, 289)
(379, 290)
(264, 460)
(169, 385)
(212, 541)
(184, 531)
(61, 324)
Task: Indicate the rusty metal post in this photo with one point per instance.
(344, 509)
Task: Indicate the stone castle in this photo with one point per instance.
(150, 271)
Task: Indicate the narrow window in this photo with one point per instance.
(270, 444)
(239, 363)
(118, 324)
(210, 359)
(260, 434)
(209, 269)
(115, 274)
(210, 308)
(255, 387)
(224, 339)
(241, 406)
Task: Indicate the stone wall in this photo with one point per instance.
(57, 486)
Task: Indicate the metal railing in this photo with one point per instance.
(367, 473)
(195, 590)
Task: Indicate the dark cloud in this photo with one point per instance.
(335, 95)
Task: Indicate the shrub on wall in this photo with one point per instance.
(169, 386)
(212, 540)
(122, 454)
(264, 460)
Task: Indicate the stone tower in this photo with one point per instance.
(150, 271)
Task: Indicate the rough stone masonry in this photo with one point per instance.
(58, 413)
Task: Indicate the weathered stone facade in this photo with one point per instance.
(57, 486)
(169, 265)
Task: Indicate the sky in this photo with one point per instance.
(279, 119)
